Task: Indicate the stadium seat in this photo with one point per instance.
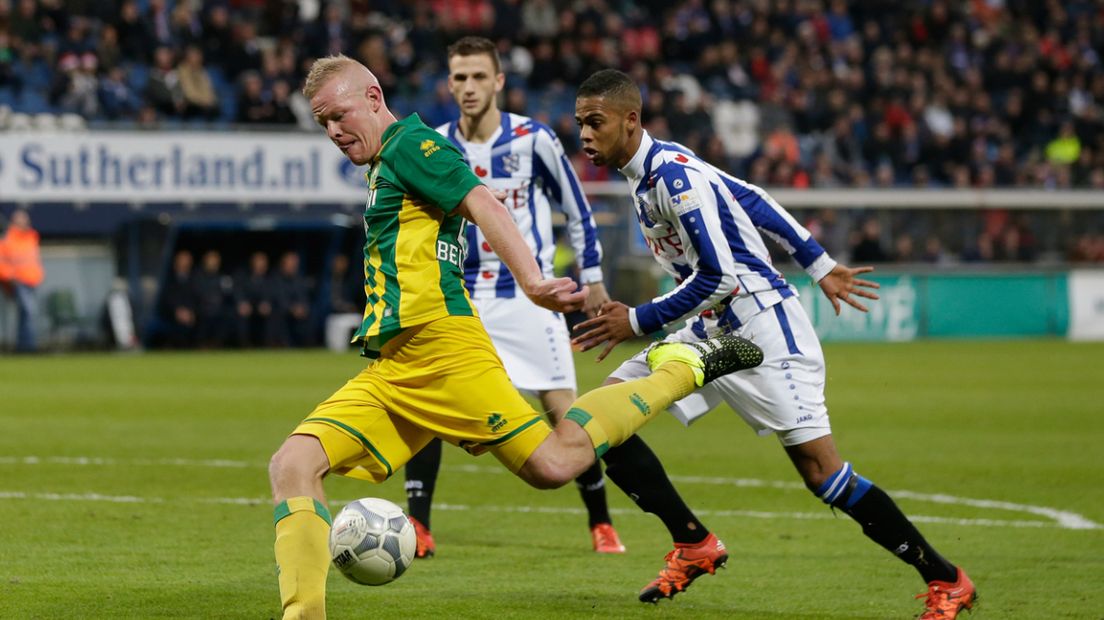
(72, 122)
(44, 121)
(20, 122)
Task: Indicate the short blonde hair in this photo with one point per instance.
(323, 70)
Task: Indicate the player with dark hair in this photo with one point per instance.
(434, 371)
(703, 227)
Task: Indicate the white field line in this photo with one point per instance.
(1059, 518)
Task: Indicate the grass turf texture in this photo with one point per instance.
(143, 530)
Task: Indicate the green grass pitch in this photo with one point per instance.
(135, 486)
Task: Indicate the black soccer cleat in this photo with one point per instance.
(710, 358)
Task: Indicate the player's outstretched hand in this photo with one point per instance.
(596, 299)
(841, 284)
(611, 326)
(557, 294)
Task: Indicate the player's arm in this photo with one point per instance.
(706, 248)
(778, 224)
(562, 187)
(430, 166)
(692, 206)
(481, 207)
(836, 280)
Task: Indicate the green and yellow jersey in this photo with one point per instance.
(415, 243)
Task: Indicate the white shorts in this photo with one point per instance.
(783, 395)
(533, 343)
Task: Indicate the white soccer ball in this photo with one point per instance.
(372, 541)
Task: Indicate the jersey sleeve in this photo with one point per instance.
(687, 200)
(431, 168)
(561, 185)
(775, 222)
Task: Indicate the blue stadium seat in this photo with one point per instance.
(137, 77)
(7, 96)
(32, 101)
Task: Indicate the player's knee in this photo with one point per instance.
(299, 458)
(842, 488)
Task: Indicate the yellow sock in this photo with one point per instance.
(302, 556)
(612, 413)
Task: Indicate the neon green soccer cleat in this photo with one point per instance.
(711, 358)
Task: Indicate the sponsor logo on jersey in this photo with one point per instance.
(511, 162)
(429, 147)
(686, 201)
(496, 421)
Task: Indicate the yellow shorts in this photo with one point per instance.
(442, 379)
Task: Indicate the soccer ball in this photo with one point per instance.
(372, 541)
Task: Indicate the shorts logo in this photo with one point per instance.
(496, 421)
(429, 147)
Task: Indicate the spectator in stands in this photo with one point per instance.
(214, 292)
(346, 291)
(178, 303)
(253, 106)
(255, 303)
(117, 100)
(20, 275)
(164, 90)
(282, 114)
(108, 51)
(217, 33)
(135, 39)
(244, 53)
(867, 246)
(76, 89)
(196, 90)
(292, 304)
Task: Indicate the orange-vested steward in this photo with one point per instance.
(19, 259)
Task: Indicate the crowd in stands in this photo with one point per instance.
(785, 93)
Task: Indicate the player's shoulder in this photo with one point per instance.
(678, 168)
(414, 137)
(524, 127)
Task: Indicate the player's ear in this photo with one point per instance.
(374, 95)
(500, 82)
(632, 120)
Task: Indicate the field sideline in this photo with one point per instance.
(134, 486)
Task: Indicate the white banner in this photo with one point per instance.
(1086, 302)
(175, 167)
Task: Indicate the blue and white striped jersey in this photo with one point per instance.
(526, 160)
(703, 226)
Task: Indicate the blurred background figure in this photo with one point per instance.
(293, 304)
(256, 319)
(179, 304)
(214, 292)
(20, 274)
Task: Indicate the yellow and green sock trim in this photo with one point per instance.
(301, 504)
(597, 434)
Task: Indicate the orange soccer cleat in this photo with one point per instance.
(685, 564)
(605, 539)
(426, 547)
(944, 599)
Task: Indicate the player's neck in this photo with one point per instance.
(631, 148)
(480, 128)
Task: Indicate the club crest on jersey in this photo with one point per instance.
(511, 162)
(645, 213)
